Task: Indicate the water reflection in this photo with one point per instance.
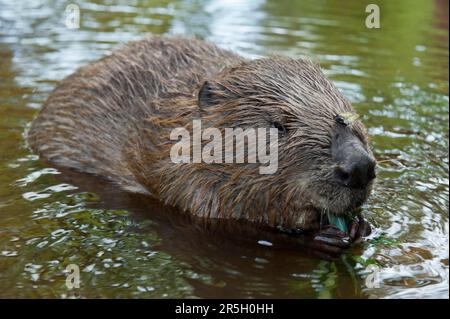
(397, 78)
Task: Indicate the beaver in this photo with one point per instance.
(113, 118)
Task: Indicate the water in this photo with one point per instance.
(129, 246)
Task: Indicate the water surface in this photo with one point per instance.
(129, 246)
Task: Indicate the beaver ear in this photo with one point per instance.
(206, 95)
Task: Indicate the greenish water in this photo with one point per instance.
(127, 246)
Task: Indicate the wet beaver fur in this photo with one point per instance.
(113, 118)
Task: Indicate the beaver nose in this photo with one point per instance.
(357, 172)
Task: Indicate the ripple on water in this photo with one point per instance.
(396, 77)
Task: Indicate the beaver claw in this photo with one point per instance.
(330, 242)
(358, 229)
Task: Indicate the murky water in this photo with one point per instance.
(128, 246)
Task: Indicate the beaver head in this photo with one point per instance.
(325, 164)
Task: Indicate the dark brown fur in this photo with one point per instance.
(113, 118)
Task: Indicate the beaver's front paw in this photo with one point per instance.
(330, 242)
(358, 229)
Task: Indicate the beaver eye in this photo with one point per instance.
(341, 120)
(281, 128)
